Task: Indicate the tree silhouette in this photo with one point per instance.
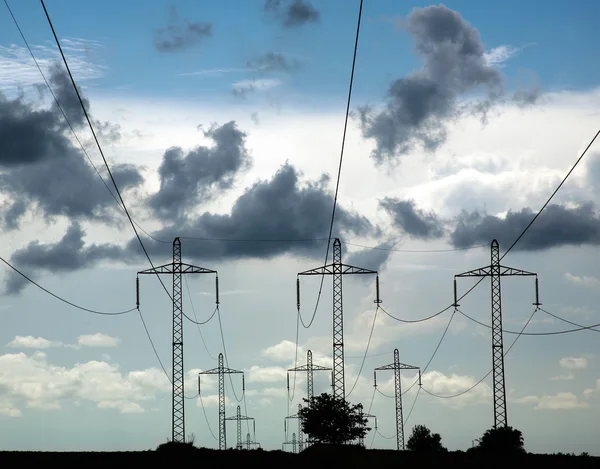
(331, 420)
(423, 441)
(502, 440)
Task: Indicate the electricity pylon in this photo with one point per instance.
(309, 368)
(293, 443)
(250, 443)
(177, 269)
(300, 433)
(361, 440)
(239, 417)
(221, 371)
(397, 366)
(337, 270)
(495, 271)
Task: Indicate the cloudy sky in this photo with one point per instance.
(222, 124)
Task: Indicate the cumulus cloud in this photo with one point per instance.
(243, 88)
(559, 401)
(97, 340)
(187, 179)
(413, 221)
(30, 381)
(66, 255)
(88, 340)
(292, 13)
(419, 105)
(266, 374)
(273, 62)
(557, 226)
(583, 280)
(282, 208)
(32, 342)
(179, 35)
(574, 363)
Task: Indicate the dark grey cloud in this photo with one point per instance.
(413, 221)
(292, 13)
(201, 174)
(375, 258)
(67, 255)
(419, 104)
(556, 226)
(39, 166)
(179, 35)
(273, 62)
(281, 208)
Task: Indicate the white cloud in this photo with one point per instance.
(583, 280)
(29, 341)
(32, 382)
(498, 55)
(566, 377)
(562, 400)
(97, 340)
(573, 363)
(267, 374)
(283, 352)
(261, 84)
(443, 385)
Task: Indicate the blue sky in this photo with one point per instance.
(499, 120)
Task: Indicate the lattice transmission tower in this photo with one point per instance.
(309, 369)
(361, 440)
(176, 269)
(250, 443)
(221, 371)
(495, 271)
(239, 418)
(300, 432)
(337, 269)
(397, 367)
(294, 444)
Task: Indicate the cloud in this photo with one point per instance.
(41, 169)
(269, 374)
(573, 363)
(498, 55)
(32, 382)
(32, 342)
(292, 13)
(283, 352)
(67, 255)
(202, 173)
(567, 377)
(413, 221)
(97, 340)
(375, 258)
(178, 35)
(281, 208)
(560, 401)
(556, 226)
(444, 385)
(273, 62)
(584, 281)
(418, 105)
(243, 88)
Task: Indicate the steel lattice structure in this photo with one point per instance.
(239, 418)
(250, 443)
(337, 269)
(221, 371)
(397, 367)
(309, 368)
(300, 433)
(361, 440)
(495, 271)
(176, 269)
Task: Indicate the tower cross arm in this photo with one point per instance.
(214, 371)
(344, 269)
(241, 417)
(185, 269)
(314, 368)
(504, 272)
(401, 366)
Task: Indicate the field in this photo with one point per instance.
(344, 457)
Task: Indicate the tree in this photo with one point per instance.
(423, 441)
(502, 440)
(331, 420)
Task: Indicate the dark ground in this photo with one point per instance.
(314, 457)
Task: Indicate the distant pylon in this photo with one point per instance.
(300, 433)
(177, 269)
(221, 371)
(309, 368)
(397, 366)
(361, 440)
(337, 270)
(495, 271)
(239, 418)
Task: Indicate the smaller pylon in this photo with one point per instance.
(397, 366)
(250, 443)
(309, 368)
(221, 371)
(300, 433)
(239, 418)
(361, 440)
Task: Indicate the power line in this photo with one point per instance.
(225, 354)
(153, 346)
(196, 318)
(366, 351)
(206, 417)
(489, 372)
(379, 248)
(551, 196)
(591, 328)
(102, 313)
(87, 117)
(580, 328)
